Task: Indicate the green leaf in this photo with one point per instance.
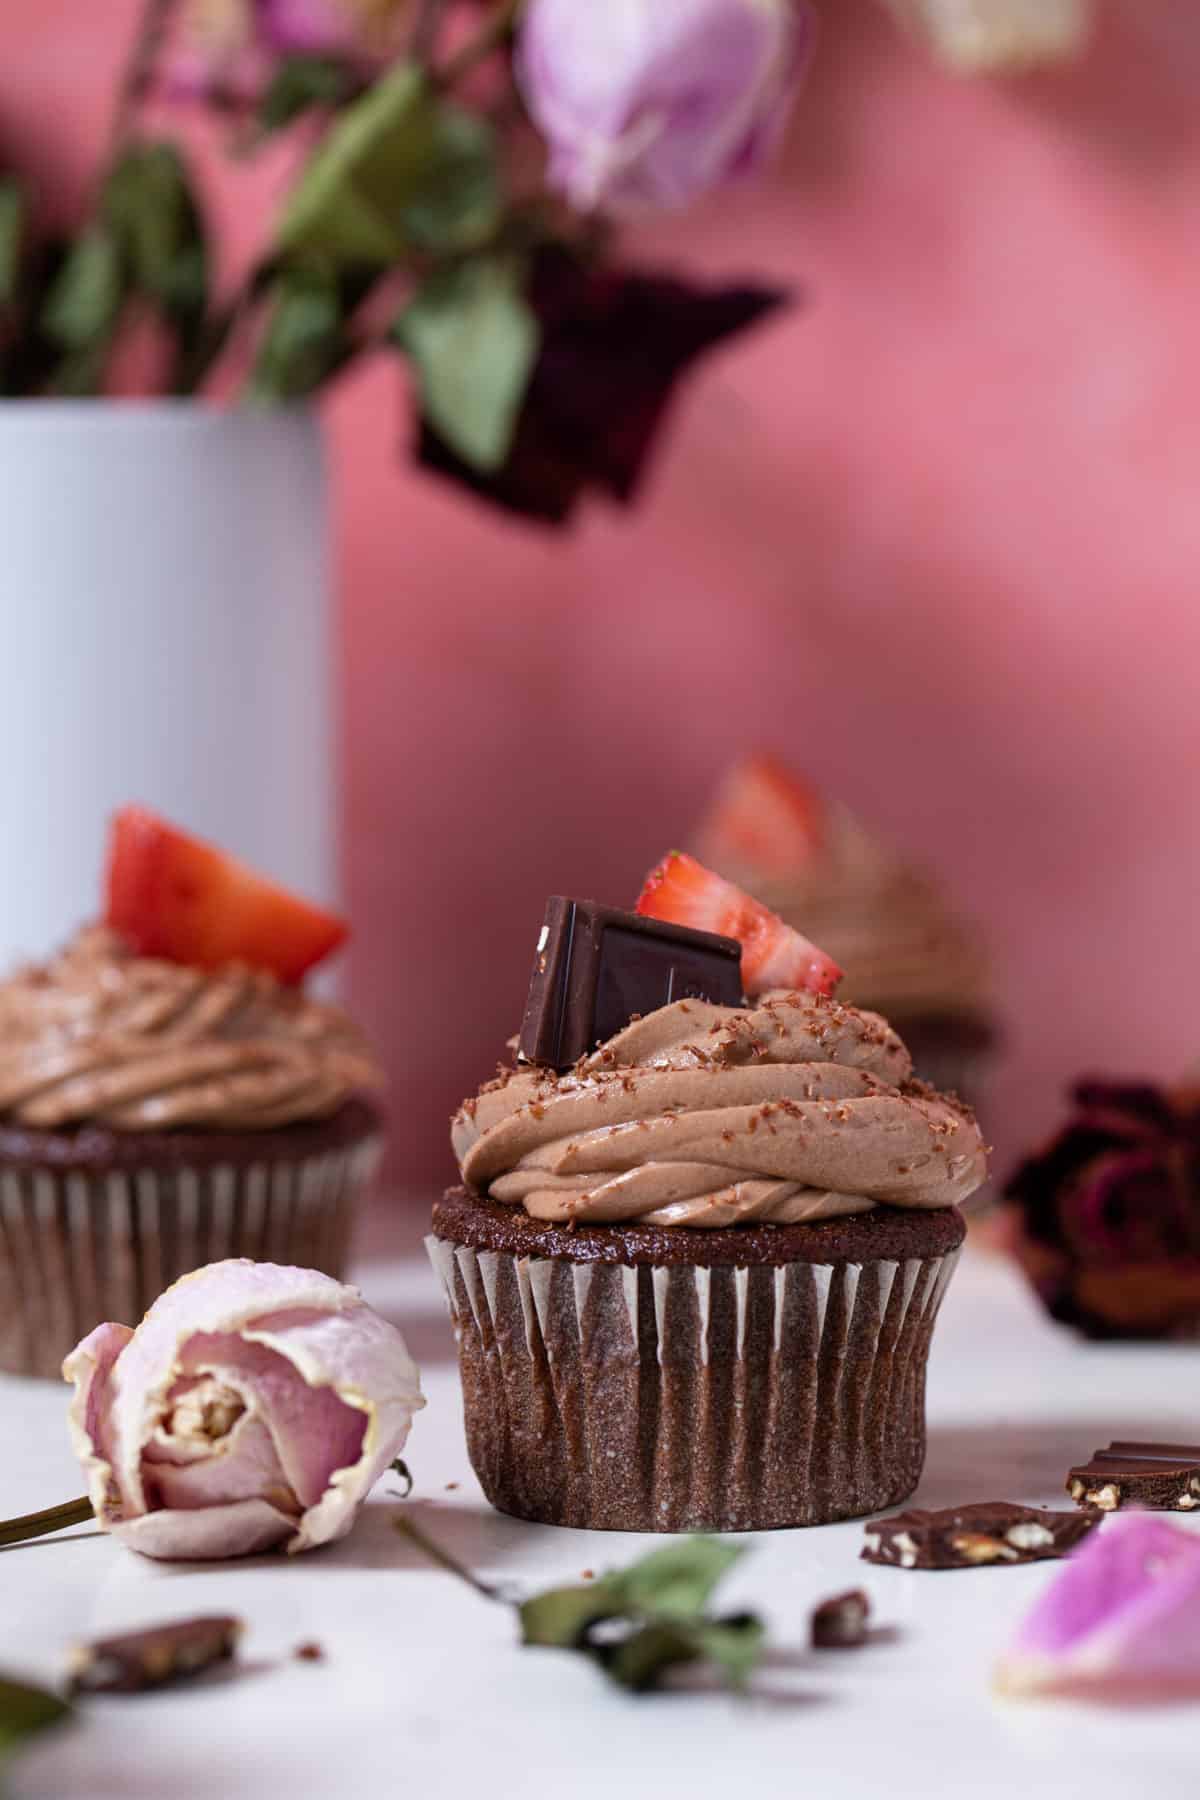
(734, 1644)
(677, 1581)
(474, 340)
(305, 339)
(151, 211)
(299, 84)
(457, 205)
(84, 301)
(562, 1617)
(13, 216)
(24, 1711)
(400, 169)
(640, 1660)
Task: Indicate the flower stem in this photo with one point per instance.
(443, 1558)
(39, 1524)
(139, 69)
(497, 28)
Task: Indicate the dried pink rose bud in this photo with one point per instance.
(253, 1406)
(650, 103)
(1121, 1622)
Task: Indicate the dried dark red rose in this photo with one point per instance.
(1105, 1220)
(613, 346)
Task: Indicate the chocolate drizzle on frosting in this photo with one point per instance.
(101, 1036)
(793, 1110)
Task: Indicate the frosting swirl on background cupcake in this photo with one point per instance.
(788, 1111)
(101, 1036)
(904, 949)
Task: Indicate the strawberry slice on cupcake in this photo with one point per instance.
(175, 896)
(774, 955)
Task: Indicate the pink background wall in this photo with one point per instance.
(936, 538)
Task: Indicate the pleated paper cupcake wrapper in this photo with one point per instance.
(686, 1398)
(79, 1248)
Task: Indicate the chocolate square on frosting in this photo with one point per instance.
(597, 967)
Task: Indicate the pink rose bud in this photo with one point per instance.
(1121, 1622)
(253, 1406)
(649, 103)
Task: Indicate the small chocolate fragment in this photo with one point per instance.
(596, 967)
(1156, 1477)
(309, 1652)
(973, 1536)
(137, 1660)
(840, 1623)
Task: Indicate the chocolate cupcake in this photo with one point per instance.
(907, 952)
(694, 1278)
(156, 1116)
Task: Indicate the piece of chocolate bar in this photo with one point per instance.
(840, 1623)
(970, 1537)
(596, 968)
(1156, 1477)
(136, 1660)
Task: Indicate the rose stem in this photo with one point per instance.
(443, 1558)
(38, 1524)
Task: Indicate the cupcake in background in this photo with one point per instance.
(704, 1229)
(1105, 1218)
(905, 951)
(170, 1097)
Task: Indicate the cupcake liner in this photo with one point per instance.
(684, 1398)
(79, 1247)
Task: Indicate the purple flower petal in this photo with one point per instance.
(1122, 1620)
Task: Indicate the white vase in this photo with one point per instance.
(164, 638)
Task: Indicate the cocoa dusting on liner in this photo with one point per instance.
(748, 1379)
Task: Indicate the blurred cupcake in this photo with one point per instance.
(905, 953)
(694, 1276)
(1105, 1220)
(169, 1097)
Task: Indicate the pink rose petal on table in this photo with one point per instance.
(254, 1405)
(1121, 1621)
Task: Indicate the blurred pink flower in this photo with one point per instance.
(253, 1406)
(649, 103)
(232, 45)
(1121, 1622)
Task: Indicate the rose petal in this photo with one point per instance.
(242, 1529)
(314, 1432)
(364, 1360)
(244, 1462)
(89, 1366)
(1121, 1620)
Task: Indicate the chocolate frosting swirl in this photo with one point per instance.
(102, 1036)
(795, 1109)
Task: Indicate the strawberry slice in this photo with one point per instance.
(175, 896)
(773, 955)
(763, 817)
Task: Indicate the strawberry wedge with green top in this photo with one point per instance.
(773, 955)
(174, 896)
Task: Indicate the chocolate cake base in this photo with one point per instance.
(635, 1379)
(94, 1224)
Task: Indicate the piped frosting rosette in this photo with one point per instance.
(789, 1111)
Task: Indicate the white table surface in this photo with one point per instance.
(424, 1690)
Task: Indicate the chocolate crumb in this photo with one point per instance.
(840, 1623)
(309, 1652)
(451, 1487)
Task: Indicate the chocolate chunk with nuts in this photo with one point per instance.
(138, 1660)
(984, 1533)
(1156, 1477)
(840, 1623)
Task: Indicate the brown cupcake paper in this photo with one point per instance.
(78, 1247)
(688, 1398)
